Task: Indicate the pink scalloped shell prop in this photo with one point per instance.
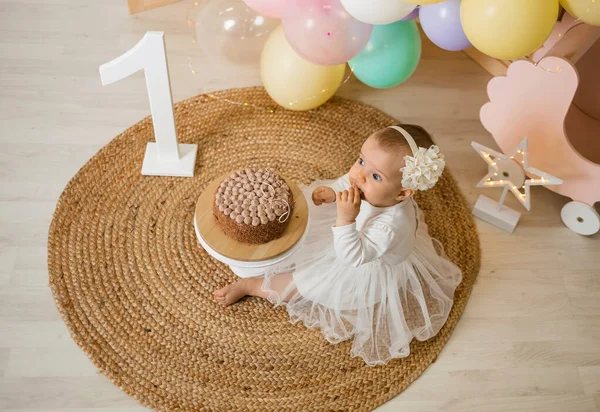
(533, 100)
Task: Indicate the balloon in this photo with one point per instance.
(508, 29)
(229, 33)
(293, 82)
(587, 11)
(378, 11)
(413, 15)
(323, 32)
(441, 23)
(422, 1)
(390, 57)
(269, 8)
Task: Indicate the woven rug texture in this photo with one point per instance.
(135, 288)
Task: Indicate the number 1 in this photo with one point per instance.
(165, 157)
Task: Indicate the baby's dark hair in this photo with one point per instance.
(391, 139)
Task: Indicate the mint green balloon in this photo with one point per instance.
(390, 57)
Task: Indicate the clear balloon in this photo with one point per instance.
(323, 32)
(587, 11)
(378, 11)
(391, 56)
(441, 23)
(270, 8)
(228, 35)
(293, 82)
(508, 29)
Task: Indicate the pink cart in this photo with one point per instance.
(554, 100)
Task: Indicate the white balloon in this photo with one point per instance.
(378, 11)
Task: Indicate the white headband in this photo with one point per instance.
(411, 142)
(423, 169)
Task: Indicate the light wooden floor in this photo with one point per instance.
(528, 341)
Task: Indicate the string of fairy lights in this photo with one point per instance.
(519, 154)
(577, 21)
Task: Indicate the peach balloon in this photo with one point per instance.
(323, 32)
(422, 2)
(269, 8)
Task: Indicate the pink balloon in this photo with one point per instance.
(269, 8)
(322, 31)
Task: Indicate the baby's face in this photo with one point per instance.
(377, 174)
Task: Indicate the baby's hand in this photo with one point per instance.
(323, 194)
(348, 206)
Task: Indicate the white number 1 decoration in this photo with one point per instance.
(165, 157)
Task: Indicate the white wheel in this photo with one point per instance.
(580, 218)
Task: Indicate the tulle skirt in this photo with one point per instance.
(381, 306)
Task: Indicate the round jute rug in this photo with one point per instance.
(135, 288)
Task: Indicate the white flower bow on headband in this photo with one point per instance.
(423, 170)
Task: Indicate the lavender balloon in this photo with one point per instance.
(322, 31)
(441, 23)
(413, 15)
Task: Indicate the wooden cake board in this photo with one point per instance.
(244, 256)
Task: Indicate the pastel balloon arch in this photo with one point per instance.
(303, 62)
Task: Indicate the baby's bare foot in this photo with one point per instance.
(231, 293)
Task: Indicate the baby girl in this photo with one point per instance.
(368, 269)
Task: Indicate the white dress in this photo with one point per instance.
(381, 281)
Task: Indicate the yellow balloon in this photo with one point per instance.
(508, 29)
(293, 82)
(423, 2)
(586, 10)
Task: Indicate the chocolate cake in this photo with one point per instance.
(253, 205)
